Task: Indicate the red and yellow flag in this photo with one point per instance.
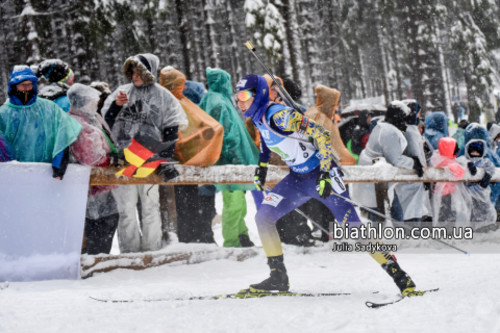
(137, 155)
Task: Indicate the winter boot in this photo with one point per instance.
(278, 281)
(245, 241)
(402, 280)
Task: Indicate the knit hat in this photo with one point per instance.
(19, 74)
(292, 88)
(56, 70)
(259, 85)
(414, 109)
(397, 113)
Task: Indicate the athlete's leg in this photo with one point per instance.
(285, 197)
(346, 214)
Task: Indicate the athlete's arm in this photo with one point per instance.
(291, 120)
(265, 152)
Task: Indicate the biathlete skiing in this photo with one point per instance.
(313, 174)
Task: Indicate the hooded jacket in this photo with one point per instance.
(476, 131)
(19, 74)
(483, 210)
(436, 127)
(200, 143)
(151, 108)
(92, 146)
(385, 141)
(451, 201)
(237, 146)
(413, 198)
(445, 158)
(39, 130)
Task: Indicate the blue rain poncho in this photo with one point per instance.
(39, 131)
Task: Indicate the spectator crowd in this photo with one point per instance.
(159, 118)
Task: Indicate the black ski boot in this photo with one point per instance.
(278, 281)
(402, 280)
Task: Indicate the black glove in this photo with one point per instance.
(324, 184)
(59, 168)
(417, 166)
(58, 172)
(472, 168)
(485, 181)
(167, 172)
(116, 160)
(427, 186)
(260, 176)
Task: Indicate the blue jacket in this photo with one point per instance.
(436, 127)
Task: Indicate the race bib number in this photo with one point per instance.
(272, 199)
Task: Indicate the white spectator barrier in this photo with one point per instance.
(41, 221)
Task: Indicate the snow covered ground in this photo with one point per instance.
(466, 302)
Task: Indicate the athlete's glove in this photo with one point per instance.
(260, 176)
(324, 184)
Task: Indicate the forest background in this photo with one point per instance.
(436, 51)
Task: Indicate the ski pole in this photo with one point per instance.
(281, 89)
(396, 222)
(320, 227)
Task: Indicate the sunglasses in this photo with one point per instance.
(244, 95)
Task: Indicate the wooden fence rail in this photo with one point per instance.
(243, 174)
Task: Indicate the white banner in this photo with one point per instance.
(41, 221)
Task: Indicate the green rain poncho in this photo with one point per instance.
(39, 131)
(237, 145)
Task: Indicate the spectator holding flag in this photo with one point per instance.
(142, 114)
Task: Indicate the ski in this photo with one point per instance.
(375, 305)
(242, 294)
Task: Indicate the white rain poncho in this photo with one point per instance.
(385, 141)
(451, 201)
(92, 146)
(39, 131)
(483, 210)
(151, 108)
(412, 196)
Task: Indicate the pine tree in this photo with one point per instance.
(470, 42)
(8, 31)
(266, 24)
